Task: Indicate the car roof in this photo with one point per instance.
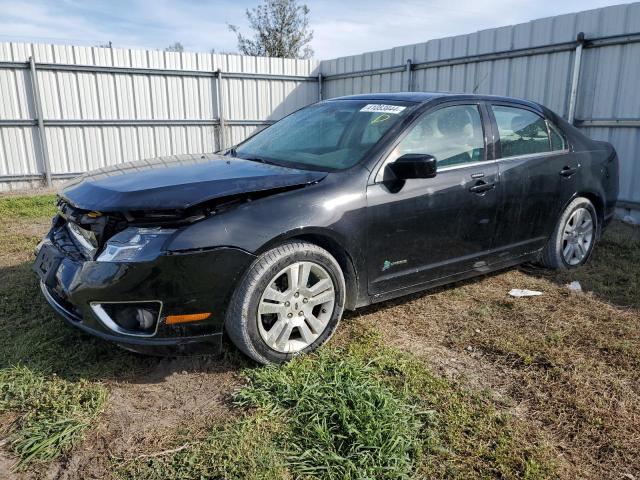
(424, 97)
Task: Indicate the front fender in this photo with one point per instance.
(333, 216)
(334, 209)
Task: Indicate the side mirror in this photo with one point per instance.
(414, 165)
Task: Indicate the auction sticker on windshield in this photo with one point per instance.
(377, 107)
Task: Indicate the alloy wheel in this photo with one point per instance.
(577, 236)
(296, 306)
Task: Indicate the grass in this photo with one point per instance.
(37, 206)
(613, 272)
(344, 421)
(357, 412)
(46, 368)
(546, 387)
(576, 363)
(52, 412)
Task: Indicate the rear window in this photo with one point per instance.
(521, 131)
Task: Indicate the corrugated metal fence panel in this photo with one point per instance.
(608, 82)
(135, 96)
(17, 144)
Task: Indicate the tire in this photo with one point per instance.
(256, 315)
(556, 254)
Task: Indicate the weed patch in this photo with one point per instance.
(52, 414)
(345, 421)
(361, 411)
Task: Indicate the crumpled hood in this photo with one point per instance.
(177, 182)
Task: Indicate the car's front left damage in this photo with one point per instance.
(112, 273)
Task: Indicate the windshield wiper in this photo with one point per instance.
(253, 158)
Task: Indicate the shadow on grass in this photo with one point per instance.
(33, 336)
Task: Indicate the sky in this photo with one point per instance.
(341, 27)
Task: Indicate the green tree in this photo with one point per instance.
(175, 47)
(281, 29)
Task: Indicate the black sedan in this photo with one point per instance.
(341, 204)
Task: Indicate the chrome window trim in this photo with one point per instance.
(505, 159)
(465, 165)
(498, 160)
(106, 320)
(531, 155)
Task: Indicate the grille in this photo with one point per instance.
(61, 238)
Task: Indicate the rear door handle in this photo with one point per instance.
(481, 186)
(567, 171)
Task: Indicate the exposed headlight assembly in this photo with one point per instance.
(135, 244)
(85, 238)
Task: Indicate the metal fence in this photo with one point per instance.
(68, 109)
(592, 79)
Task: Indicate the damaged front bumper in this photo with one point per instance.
(96, 297)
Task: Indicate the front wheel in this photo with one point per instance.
(574, 236)
(289, 302)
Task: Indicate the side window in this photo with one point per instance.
(453, 135)
(521, 131)
(557, 139)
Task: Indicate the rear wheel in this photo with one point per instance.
(289, 302)
(574, 236)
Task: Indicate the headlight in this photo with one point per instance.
(86, 238)
(135, 244)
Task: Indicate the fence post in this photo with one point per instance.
(573, 96)
(319, 87)
(409, 75)
(35, 91)
(220, 112)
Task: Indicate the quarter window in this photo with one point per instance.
(557, 139)
(522, 132)
(453, 135)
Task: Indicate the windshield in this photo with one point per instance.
(330, 135)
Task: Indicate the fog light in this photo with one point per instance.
(129, 318)
(138, 319)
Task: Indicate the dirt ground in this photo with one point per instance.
(453, 329)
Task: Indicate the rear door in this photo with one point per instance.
(535, 170)
(429, 228)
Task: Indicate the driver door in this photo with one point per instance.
(425, 229)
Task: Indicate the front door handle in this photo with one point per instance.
(481, 186)
(568, 171)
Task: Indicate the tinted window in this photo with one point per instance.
(452, 134)
(522, 132)
(332, 135)
(557, 140)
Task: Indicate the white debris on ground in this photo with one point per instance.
(630, 220)
(575, 286)
(523, 292)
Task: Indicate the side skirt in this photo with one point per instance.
(528, 257)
